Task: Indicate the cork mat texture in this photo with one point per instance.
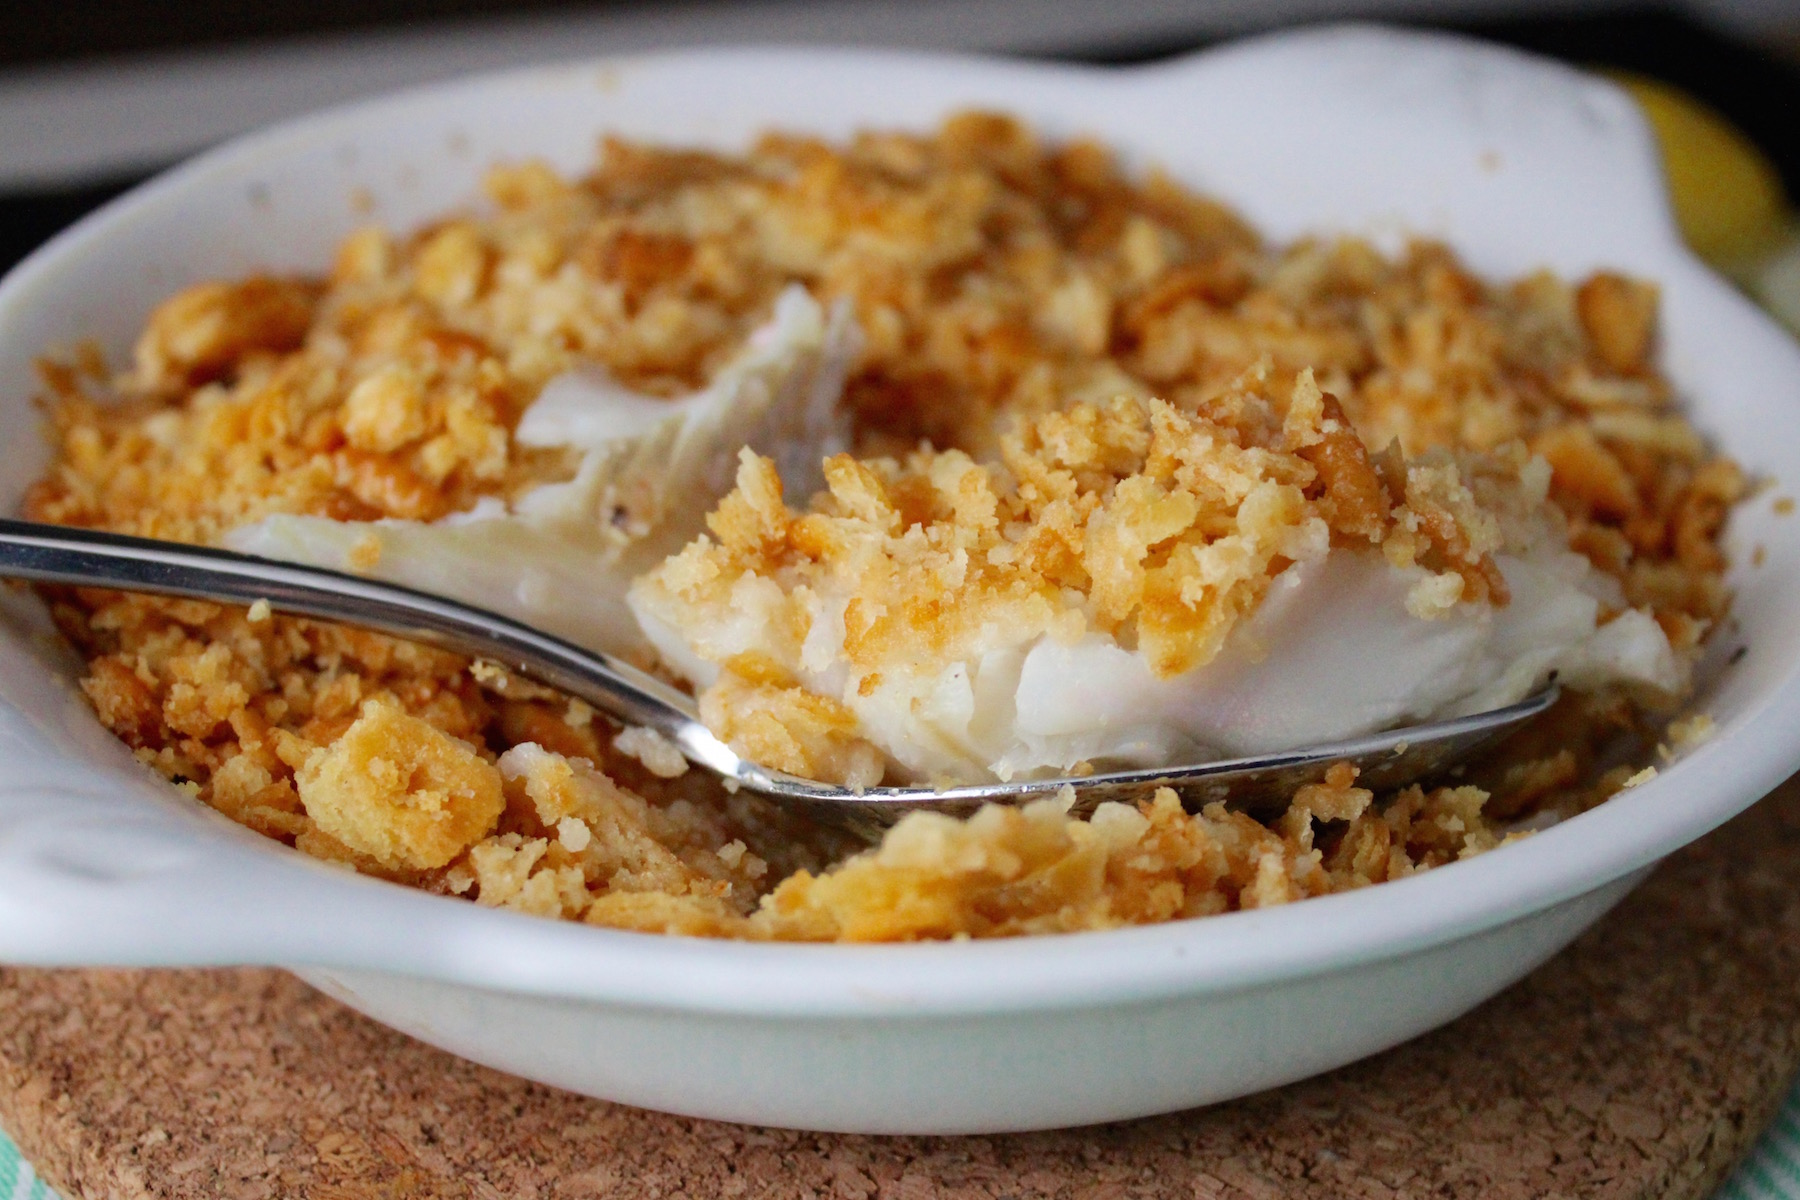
(1641, 1063)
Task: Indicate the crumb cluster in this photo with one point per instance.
(1081, 397)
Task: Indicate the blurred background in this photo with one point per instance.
(96, 95)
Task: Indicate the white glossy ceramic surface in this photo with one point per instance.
(1517, 162)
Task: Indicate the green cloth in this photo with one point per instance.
(1773, 1169)
(17, 1181)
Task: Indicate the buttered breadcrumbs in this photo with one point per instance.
(1039, 332)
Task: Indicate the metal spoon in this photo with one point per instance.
(62, 554)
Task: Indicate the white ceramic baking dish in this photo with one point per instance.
(1517, 162)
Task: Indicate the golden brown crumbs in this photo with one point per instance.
(1684, 733)
(1031, 312)
(399, 790)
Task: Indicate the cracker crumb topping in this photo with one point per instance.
(1084, 402)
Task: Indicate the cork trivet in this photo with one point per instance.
(1641, 1063)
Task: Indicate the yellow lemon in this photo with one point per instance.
(1727, 196)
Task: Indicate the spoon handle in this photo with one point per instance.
(89, 558)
